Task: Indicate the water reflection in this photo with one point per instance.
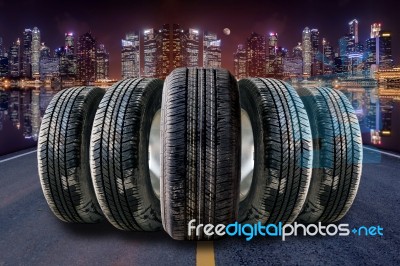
(21, 112)
(22, 109)
(378, 110)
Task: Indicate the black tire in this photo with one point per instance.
(337, 155)
(282, 152)
(63, 155)
(119, 154)
(200, 140)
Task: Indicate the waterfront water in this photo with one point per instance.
(22, 109)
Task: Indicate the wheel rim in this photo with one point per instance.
(154, 153)
(247, 159)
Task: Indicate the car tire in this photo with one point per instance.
(282, 152)
(200, 136)
(119, 152)
(337, 157)
(63, 155)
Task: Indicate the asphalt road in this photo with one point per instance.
(31, 235)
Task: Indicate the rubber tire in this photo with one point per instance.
(63, 155)
(119, 154)
(200, 140)
(337, 157)
(282, 152)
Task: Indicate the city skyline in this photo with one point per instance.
(214, 17)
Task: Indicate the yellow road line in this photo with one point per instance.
(205, 253)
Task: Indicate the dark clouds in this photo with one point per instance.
(109, 22)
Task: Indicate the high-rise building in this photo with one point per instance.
(239, 62)
(307, 52)
(35, 52)
(164, 59)
(14, 59)
(150, 52)
(327, 57)
(211, 50)
(385, 49)
(272, 64)
(298, 50)
(26, 53)
(353, 29)
(371, 51)
(49, 65)
(213, 58)
(69, 43)
(292, 66)
(256, 55)
(379, 50)
(102, 62)
(178, 51)
(67, 58)
(192, 48)
(375, 29)
(3, 66)
(130, 56)
(316, 64)
(86, 58)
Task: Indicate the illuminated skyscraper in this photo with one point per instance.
(316, 64)
(385, 49)
(14, 59)
(211, 50)
(3, 66)
(239, 62)
(164, 59)
(213, 57)
(327, 59)
(69, 43)
(256, 55)
(35, 52)
(102, 62)
(130, 56)
(27, 53)
(353, 29)
(307, 52)
(298, 50)
(379, 50)
(150, 52)
(375, 29)
(192, 48)
(178, 51)
(86, 58)
(49, 65)
(272, 63)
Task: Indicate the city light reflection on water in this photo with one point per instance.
(22, 109)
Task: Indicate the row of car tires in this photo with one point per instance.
(107, 154)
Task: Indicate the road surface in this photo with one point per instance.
(31, 235)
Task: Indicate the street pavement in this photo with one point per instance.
(31, 235)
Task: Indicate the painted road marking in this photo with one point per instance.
(16, 156)
(383, 152)
(205, 253)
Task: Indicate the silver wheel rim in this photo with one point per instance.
(247, 159)
(154, 153)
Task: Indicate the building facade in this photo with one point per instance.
(36, 44)
(256, 55)
(240, 62)
(86, 58)
(130, 56)
(307, 52)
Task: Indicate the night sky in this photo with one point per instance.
(109, 22)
